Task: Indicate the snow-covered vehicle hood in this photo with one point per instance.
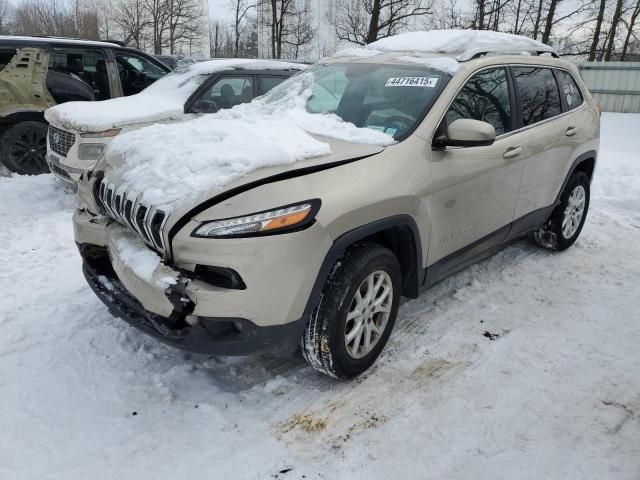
(174, 166)
(162, 101)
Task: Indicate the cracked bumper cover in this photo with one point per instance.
(210, 335)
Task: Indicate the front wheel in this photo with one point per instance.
(566, 222)
(23, 148)
(356, 313)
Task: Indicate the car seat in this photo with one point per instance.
(102, 79)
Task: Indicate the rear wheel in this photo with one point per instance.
(566, 222)
(23, 148)
(356, 313)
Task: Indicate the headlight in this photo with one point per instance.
(90, 151)
(107, 133)
(280, 220)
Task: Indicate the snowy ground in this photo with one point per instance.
(555, 394)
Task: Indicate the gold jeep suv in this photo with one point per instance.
(299, 220)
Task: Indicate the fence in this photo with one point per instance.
(616, 85)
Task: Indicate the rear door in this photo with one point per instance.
(476, 187)
(552, 128)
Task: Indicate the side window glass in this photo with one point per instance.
(267, 83)
(484, 97)
(5, 56)
(88, 66)
(229, 91)
(136, 72)
(569, 89)
(538, 93)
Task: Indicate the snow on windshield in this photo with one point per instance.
(162, 100)
(166, 164)
(463, 42)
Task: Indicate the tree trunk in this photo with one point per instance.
(596, 33)
(547, 28)
(612, 33)
(536, 26)
(372, 36)
(632, 23)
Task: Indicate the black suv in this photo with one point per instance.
(39, 72)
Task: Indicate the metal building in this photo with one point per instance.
(616, 85)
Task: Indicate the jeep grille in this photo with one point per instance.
(61, 141)
(144, 219)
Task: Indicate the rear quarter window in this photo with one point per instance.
(538, 94)
(569, 90)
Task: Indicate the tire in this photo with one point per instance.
(324, 344)
(23, 148)
(565, 224)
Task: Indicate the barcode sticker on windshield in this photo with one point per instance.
(428, 82)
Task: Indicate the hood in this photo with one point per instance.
(171, 165)
(162, 101)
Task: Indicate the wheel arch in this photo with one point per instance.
(399, 233)
(583, 163)
(19, 116)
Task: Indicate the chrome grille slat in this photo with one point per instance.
(60, 140)
(146, 220)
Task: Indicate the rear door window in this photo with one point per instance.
(538, 94)
(569, 90)
(267, 83)
(86, 65)
(484, 97)
(229, 91)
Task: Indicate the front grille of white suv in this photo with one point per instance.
(146, 220)
(60, 141)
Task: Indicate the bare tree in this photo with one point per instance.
(183, 22)
(596, 34)
(365, 21)
(132, 18)
(240, 10)
(630, 26)
(612, 32)
(300, 34)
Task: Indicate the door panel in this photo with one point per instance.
(475, 189)
(475, 194)
(552, 138)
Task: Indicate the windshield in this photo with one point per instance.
(389, 98)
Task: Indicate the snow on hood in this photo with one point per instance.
(465, 43)
(166, 164)
(162, 100)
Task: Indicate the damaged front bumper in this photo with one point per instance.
(180, 329)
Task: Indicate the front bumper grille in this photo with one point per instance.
(126, 209)
(60, 141)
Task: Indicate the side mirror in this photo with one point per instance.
(466, 132)
(204, 106)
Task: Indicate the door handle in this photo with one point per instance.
(571, 131)
(512, 152)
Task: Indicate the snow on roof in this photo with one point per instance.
(444, 64)
(56, 40)
(162, 100)
(170, 163)
(465, 43)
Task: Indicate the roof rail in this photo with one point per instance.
(475, 52)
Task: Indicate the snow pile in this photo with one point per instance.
(169, 163)
(443, 64)
(357, 52)
(465, 43)
(134, 253)
(162, 100)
